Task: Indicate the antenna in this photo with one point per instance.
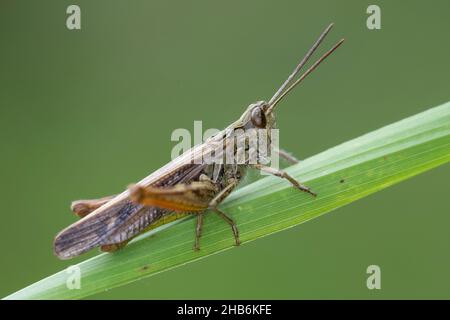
(281, 92)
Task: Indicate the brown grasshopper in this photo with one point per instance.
(183, 186)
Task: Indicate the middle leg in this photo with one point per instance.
(213, 205)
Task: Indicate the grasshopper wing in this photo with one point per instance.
(119, 219)
(90, 231)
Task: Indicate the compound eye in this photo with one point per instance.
(258, 118)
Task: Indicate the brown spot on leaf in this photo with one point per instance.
(144, 268)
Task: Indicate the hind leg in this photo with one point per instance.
(195, 197)
(84, 207)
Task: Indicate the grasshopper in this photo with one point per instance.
(183, 186)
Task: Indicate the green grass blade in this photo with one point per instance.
(339, 175)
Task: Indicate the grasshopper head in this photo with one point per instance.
(257, 117)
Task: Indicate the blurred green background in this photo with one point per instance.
(84, 113)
